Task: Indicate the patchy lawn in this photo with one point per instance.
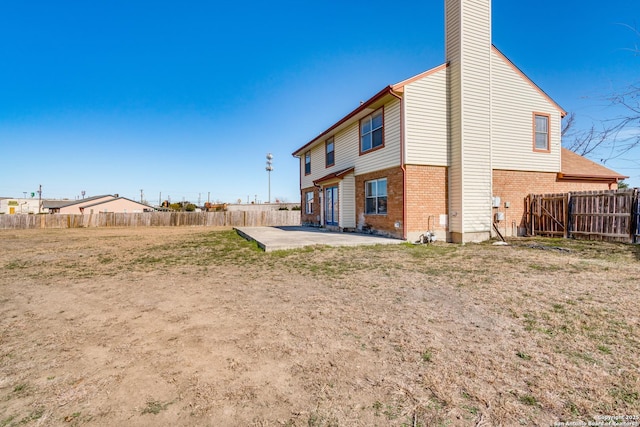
(194, 326)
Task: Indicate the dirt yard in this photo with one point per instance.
(195, 326)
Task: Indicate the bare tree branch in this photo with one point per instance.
(617, 135)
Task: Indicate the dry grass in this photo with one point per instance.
(188, 326)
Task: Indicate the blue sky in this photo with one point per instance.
(185, 99)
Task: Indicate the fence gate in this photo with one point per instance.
(548, 215)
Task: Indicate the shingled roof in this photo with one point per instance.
(575, 166)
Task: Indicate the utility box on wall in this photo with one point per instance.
(499, 216)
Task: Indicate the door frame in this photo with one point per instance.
(331, 212)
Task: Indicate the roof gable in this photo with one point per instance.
(334, 175)
(507, 61)
(106, 202)
(399, 87)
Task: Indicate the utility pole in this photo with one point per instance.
(141, 195)
(269, 168)
(40, 199)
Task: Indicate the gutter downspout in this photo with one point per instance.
(402, 165)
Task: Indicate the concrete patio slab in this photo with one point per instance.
(291, 237)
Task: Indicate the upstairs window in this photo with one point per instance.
(371, 132)
(307, 163)
(330, 158)
(376, 197)
(541, 132)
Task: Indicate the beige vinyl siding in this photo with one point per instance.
(347, 149)
(317, 166)
(514, 102)
(455, 153)
(426, 120)
(347, 202)
(452, 29)
(469, 53)
(346, 146)
(389, 155)
(452, 45)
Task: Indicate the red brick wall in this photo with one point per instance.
(514, 186)
(314, 218)
(427, 188)
(383, 224)
(427, 198)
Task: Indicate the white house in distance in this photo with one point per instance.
(437, 151)
(11, 206)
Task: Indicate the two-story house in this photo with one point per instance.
(435, 152)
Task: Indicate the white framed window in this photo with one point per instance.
(307, 163)
(376, 197)
(330, 158)
(308, 196)
(541, 139)
(372, 131)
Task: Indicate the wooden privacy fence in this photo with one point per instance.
(153, 219)
(593, 215)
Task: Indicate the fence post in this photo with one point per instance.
(635, 216)
(567, 215)
(527, 204)
(534, 205)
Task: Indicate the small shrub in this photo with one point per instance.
(154, 407)
(628, 396)
(7, 421)
(377, 406)
(527, 399)
(20, 388)
(603, 348)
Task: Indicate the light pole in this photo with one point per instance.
(269, 168)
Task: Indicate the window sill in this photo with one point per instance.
(379, 147)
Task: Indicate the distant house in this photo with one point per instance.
(437, 151)
(97, 204)
(11, 205)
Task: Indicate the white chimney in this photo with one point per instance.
(468, 52)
